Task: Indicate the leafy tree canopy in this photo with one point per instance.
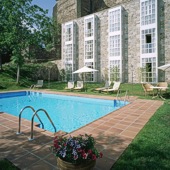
(23, 25)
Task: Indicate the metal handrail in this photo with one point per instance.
(126, 95)
(32, 121)
(19, 128)
(118, 93)
(118, 97)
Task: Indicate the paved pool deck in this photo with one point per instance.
(113, 133)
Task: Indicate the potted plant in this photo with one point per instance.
(75, 152)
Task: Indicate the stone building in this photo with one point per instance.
(126, 40)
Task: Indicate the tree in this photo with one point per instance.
(4, 46)
(54, 41)
(24, 26)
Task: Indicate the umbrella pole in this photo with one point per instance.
(85, 85)
(85, 82)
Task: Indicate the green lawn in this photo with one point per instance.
(6, 165)
(151, 147)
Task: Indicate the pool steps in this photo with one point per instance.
(32, 120)
(119, 98)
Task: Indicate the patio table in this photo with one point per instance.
(158, 94)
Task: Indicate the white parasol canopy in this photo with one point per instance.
(164, 67)
(84, 69)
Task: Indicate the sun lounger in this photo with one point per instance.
(70, 85)
(38, 85)
(107, 84)
(116, 87)
(79, 85)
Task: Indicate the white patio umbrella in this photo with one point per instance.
(85, 70)
(164, 67)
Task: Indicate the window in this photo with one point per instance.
(69, 49)
(68, 53)
(69, 72)
(148, 38)
(149, 69)
(114, 20)
(115, 70)
(115, 45)
(148, 12)
(89, 27)
(148, 41)
(89, 49)
(69, 32)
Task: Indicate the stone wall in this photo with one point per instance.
(165, 34)
(131, 38)
(65, 10)
(112, 3)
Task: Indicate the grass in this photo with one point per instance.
(149, 150)
(7, 165)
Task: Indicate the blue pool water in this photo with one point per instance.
(67, 112)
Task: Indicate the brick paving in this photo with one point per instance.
(113, 133)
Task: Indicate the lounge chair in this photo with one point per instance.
(38, 85)
(116, 87)
(107, 84)
(163, 84)
(147, 87)
(79, 85)
(70, 85)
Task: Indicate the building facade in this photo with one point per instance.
(126, 40)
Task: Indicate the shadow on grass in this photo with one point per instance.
(5, 164)
(148, 157)
(2, 87)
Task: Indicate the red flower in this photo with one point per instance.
(85, 156)
(93, 157)
(75, 157)
(79, 150)
(83, 152)
(89, 151)
(56, 145)
(101, 155)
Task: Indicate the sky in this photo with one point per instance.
(45, 4)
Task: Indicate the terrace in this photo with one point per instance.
(113, 133)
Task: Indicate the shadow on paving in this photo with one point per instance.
(112, 147)
(17, 148)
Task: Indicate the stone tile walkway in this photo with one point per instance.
(113, 133)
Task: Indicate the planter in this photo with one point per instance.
(63, 165)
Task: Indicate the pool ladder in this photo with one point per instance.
(32, 120)
(119, 98)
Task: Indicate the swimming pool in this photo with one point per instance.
(67, 112)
